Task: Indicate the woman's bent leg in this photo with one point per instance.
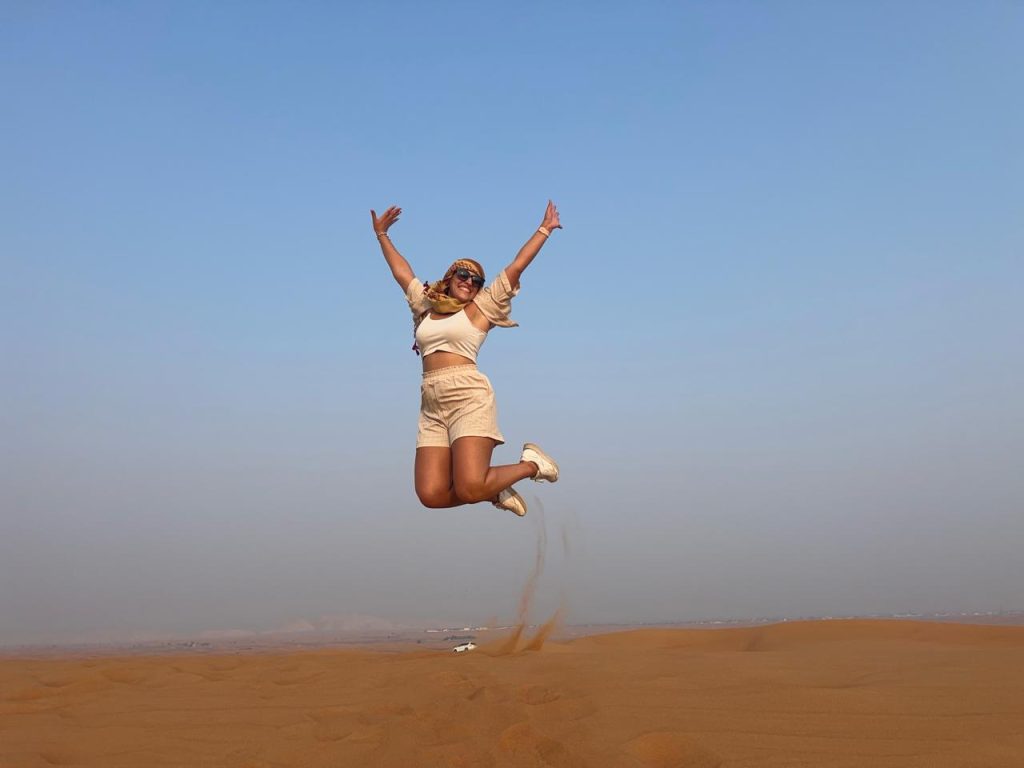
(434, 478)
(473, 477)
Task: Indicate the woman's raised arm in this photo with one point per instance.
(532, 246)
(400, 268)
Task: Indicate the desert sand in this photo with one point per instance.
(826, 693)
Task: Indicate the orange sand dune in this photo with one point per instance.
(835, 693)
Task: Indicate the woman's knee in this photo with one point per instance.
(434, 497)
(470, 489)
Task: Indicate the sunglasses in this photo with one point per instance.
(464, 274)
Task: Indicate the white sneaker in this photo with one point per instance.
(511, 501)
(547, 469)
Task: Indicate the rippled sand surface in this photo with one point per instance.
(830, 693)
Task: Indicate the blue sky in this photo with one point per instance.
(776, 348)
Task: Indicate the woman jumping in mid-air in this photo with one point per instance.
(458, 416)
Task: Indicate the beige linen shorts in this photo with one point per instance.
(455, 402)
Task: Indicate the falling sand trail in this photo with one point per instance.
(516, 642)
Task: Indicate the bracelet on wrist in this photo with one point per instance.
(544, 231)
(381, 234)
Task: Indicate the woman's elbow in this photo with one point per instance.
(513, 273)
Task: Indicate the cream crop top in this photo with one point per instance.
(459, 335)
(452, 333)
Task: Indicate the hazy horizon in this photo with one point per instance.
(353, 626)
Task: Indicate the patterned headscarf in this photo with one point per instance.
(437, 292)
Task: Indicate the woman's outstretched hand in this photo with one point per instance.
(390, 216)
(551, 217)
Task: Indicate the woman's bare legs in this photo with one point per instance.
(462, 474)
(473, 476)
(434, 478)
